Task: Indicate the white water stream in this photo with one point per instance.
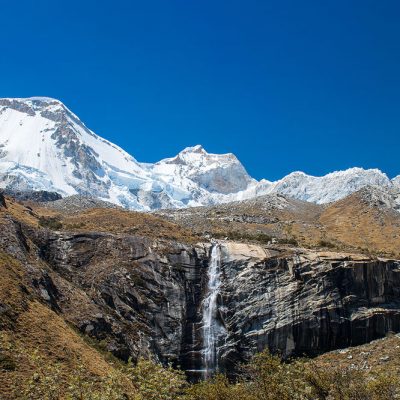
(212, 328)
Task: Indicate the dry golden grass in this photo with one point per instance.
(13, 292)
(368, 228)
(108, 220)
(382, 355)
(19, 212)
(127, 222)
(27, 326)
(350, 225)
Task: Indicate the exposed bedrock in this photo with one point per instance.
(135, 295)
(304, 303)
(140, 296)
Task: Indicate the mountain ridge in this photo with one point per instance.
(45, 146)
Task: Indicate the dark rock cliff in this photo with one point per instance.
(140, 296)
(304, 303)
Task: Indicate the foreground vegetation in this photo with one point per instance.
(266, 377)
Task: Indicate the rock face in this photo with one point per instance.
(137, 296)
(140, 296)
(304, 303)
(77, 203)
(40, 196)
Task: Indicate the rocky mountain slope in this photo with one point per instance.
(44, 146)
(135, 284)
(366, 221)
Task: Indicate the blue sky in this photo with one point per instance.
(285, 85)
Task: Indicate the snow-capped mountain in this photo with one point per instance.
(206, 178)
(330, 187)
(320, 190)
(44, 146)
(396, 182)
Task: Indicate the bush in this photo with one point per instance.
(52, 223)
(53, 382)
(270, 378)
(260, 237)
(155, 382)
(267, 377)
(7, 363)
(219, 388)
(326, 243)
(291, 241)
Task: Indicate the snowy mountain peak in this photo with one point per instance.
(396, 182)
(31, 105)
(42, 99)
(198, 155)
(214, 173)
(45, 146)
(194, 149)
(331, 187)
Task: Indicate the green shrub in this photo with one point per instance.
(291, 241)
(219, 388)
(267, 377)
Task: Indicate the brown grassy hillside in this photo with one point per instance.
(353, 224)
(29, 329)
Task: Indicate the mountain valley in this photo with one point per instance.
(293, 279)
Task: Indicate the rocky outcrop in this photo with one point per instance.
(139, 296)
(2, 200)
(77, 203)
(135, 295)
(303, 303)
(39, 196)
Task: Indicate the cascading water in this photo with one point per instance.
(212, 327)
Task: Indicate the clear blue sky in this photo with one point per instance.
(285, 85)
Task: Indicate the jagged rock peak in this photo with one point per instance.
(215, 173)
(377, 196)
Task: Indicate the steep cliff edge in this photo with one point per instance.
(303, 302)
(138, 293)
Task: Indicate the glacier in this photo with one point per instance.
(45, 146)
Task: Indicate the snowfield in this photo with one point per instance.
(44, 146)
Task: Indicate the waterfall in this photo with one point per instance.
(212, 327)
